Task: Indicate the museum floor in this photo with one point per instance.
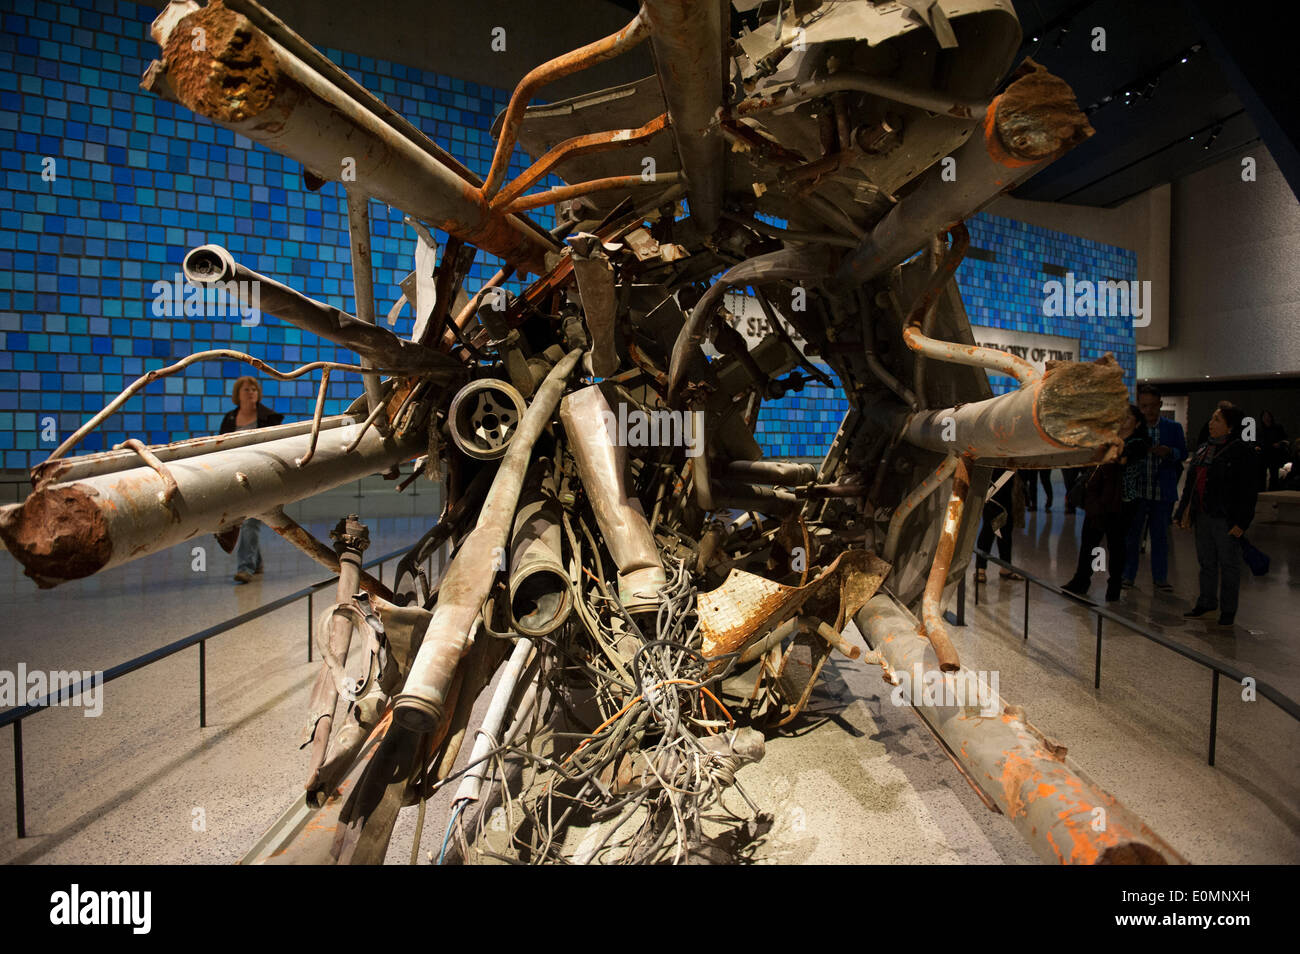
(860, 780)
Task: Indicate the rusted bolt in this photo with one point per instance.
(241, 478)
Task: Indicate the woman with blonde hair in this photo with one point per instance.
(249, 413)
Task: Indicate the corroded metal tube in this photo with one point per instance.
(541, 597)
(909, 503)
(687, 36)
(572, 62)
(932, 601)
(469, 576)
(1034, 122)
(244, 80)
(214, 265)
(1059, 810)
(602, 464)
(74, 529)
(1074, 407)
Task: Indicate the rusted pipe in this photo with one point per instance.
(214, 265)
(602, 466)
(169, 482)
(316, 417)
(469, 577)
(909, 503)
(952, 352)
(580, 59)
(573, 148)
(65, 469)
(351, 540)
(689, 40)
(74, 529)
(1035, 121)
(541, 597)
(932, 600)
(1051, 801)
(566, 192)
(1074, 406)
(280, 32)
(244, 80)
(302, 538)
(363, 288)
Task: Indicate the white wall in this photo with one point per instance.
(1236, 276)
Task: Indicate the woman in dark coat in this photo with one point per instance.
(1107, 512)
(1219, 494)
(249, 413)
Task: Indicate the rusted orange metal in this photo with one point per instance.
(1064, 816)
(580, 59)
(932, 602)
(562, 193)
(574, 148)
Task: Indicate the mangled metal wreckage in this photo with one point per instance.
(644, 610)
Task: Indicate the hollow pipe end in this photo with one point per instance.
(417, 713)
(207, 264)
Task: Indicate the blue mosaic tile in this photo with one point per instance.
(139, 181)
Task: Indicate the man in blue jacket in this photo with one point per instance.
(1157, 489)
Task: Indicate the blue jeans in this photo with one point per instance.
(246, 551)
(1160, 512)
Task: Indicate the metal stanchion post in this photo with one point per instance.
(959, 617)
(1096, 681)
(20, 801)
(203, 684)
(1214, 713)
(1026, 609)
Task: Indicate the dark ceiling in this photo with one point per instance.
(1158, 99)
(1178, 117)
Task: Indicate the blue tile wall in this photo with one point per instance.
(1006, 293)
(139, 181)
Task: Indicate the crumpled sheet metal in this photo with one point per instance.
(746, 607)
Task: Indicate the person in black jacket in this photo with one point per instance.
(1003, 512)
(1108, 512)
(249, 413)
(1219, 494)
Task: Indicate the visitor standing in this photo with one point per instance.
(1157, 489)
(1218, 501)
(249, 413)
